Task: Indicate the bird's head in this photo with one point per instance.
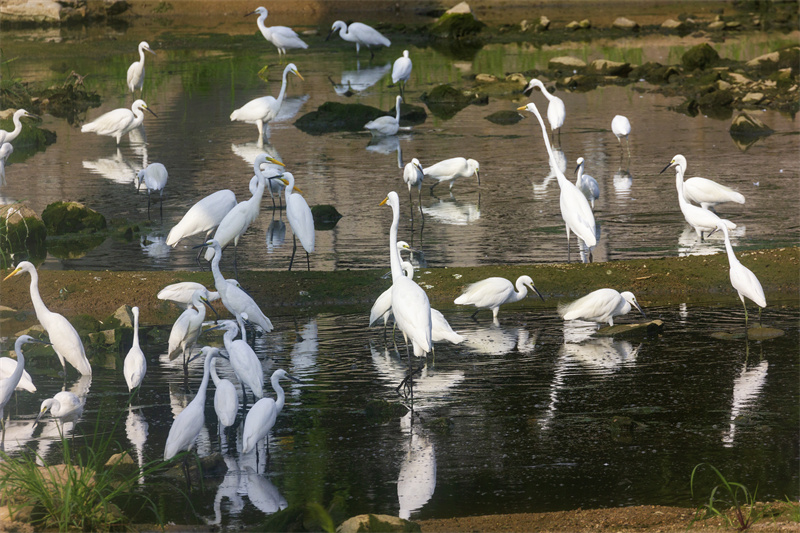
(144, 46)
(291, 67)
(579, 162)
(392, 199)
(23, 266)
(528, 282)
(258, 11)
(338, 25)
(531, 84)
(631, 299)
(678, 161)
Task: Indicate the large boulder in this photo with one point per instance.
(21, 230)
(700, 57)
(566, 64)
(62, 218)
(605, 67)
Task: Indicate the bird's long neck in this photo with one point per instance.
(240, 320)
(394, 255)
(562, 179)
(227, 338)
(141, 55)
(397, 108)
(36, 298)
(728, 246)
(16, 375)
(214, 375)
(201, 391)
(218, 279)
(136, 330)
(522, 291)
(679, 183)
(261, 26)
(17, 129)
(281, 396)
(580, 174)
(283, 87)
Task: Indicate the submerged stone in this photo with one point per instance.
(754, 334)
(334, 116)
(457, 26)
(650, 328)
(746, 125)
(62, 218)
(325, 217)
(504, 118)
(700, 57)
(444, 101)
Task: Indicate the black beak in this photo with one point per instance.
(666, 167)
(151, 112)
(251, 13)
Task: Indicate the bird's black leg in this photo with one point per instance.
(472, 316)
(294, 249)
(308, 262)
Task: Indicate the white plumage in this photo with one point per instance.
(260, 111)
(186, 329)
(742, 278)
(441, 330)
(452, 169)
(181, 293)
(621, 127)
(136, 70)
(283, 37)
(154, 177)
(601, 305)
(413, 176)
(587, 184)
(8, 136)
(135, 365)
(11, 382)
(7, 367)
(203, 217)
(226, 400)
(361, 34)
(300, 219)
(491, 293)
(386, 125)
(706, 192)
(262, 416)
(5, 151)
(64, 406)
(556, 111)
(118, 122)
(244, 361)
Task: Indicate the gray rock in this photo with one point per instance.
(566, 63)
(39, 11)
(623, 23)
(125, 316)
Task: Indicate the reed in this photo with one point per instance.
(741, 511)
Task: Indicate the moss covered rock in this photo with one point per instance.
(700, 57)
(444, 101)
(504, 118)
(62, 218)
(22, 233)
(457, 26)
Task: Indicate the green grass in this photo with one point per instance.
(728, 500)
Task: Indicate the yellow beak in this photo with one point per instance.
(14, 273)
(274, 161)
(523, 108)
(384, 201)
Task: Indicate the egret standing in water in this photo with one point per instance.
(155, 179)
(452, 169)
(8, 136)
(226, 401)
(186, 329)
(706, 192)
(118, 122)
(244, 361)
(283, 37)
(136, 70)
(401, 71)
(300, 219)
(66, 341)
(601, 305)
(65, 406)
(621, 127)
(386, 125)
(135, 365)
(742, 278)
(587, 184)
(382, 308)
(361, 34)
(413, 176)
(556, 111)
(5, 151)
(491, 293)
(262, 416)
(10, 383)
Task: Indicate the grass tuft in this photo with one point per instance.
(741, 512)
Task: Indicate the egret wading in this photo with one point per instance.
(283, 37)
(226, 400)
(244, 361)
(7, 367)
(382, 308)
(742, 278)
(118, 122)
(621, 127)
(5, 151)
(135, 365)
(491, 293)
(181, 293)
(386, 125)
(262, 416)
(556, 111)
(155, 179)
(600, 306)
(361, 34)
(452, 169)
(300, 219)
(136, 70)
(587, 184)
(705, 192)
(10, 383)
(413, 176)
(401, 71)
(186, 329)
(65, 406)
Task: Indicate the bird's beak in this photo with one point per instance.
(31, 115)
(200, 246)
(274, 161)
(640, 309)
(298, 75)
(523, 108)
(13, 273)
(251, 13)
(478, 175)
(296, 380)
(329, 34)
(149, 50)
(537, 292)
(666, 167)
(384, 201)
(41, 413)
(576, 169)
(150, 110)
(219, 326)
(208, 304)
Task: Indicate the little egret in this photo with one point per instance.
(413, 176)
(697, 217)
(706, 192)
(7, 367)
(491, 293)
(181, 293)
(300, 219)
(66, 341)
(361, 34)
(575, 208)
(226, 401)
(65, 406)
(401, 71)
(135, 365)
(441, 330)
(118, 122)
(387, 125)
(410, 305)
(556, 111)
(203, 217)
(8, 136)
(621, 127)
(7, 385)
(262, 110)
(186, 329)
(5, 151)
(586, 183)
(155, 178)
(244, 361)
(136, 70)
(452, 169)
(262, 416)
(742, 278)
(600, 306)
(284, 38)
(190, 421)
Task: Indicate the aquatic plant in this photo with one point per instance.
(739, 498)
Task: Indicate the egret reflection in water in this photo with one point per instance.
(454, 212)
(746, 388)
(116, 168)
(623, 181)
(276, 233)
(229, 489)
(387, 145)
(497, 340)
(136, 429)
(355, 81)
(263, 493)
(688, 243)
(416, 481)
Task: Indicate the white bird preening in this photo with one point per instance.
(410, 305)
(386, 125)
(187, 328)
(587, 184)
(66, 341)
(8, 136)
(556, 111)
(7, 385)
(621, 127)
(361, 34)
(401, 71)
(135, 365)
(154, 177)
(742, 278)
(261, 111)
(65, 406)
(452, 169)
(575, 208)
(283, 37)
(262, 416)
(118, 122)
(136, 70)
(706, 192)
(600, 306)
(697, 217)
(491, 293)
(300, 219)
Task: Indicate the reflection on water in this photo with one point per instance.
(416, 481)
(452, 211)
(746, 389)
(689, 244)
(356, 81)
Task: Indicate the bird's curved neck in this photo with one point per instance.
(283, 87)
(36, 298)
(17, 127)
(728, 246)
(218, 279)
(141, 55)
(214, 375)
(394, 255)
(522, 291)
(16, 375)
(241, 327)
(580, 174)
(201, 391)
(397, 108)
(281, 396)
(562, 179)
(679, 184)
(260, 21)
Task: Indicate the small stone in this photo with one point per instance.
(517, 77)
(722, 85)
(460, 9)
(752, 98)
(125, 316)
(544, 24)
(609, 68)
(566, 62)
(739, 79)
(585, 24)
(366, 523)
(623, 23)
(671, 24)
(716, 25)
(701, 56)
(574, 25)
(525, 25)
(485, 78)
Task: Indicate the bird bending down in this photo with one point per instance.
(262, 110)
(300, 219)
(742, 278)
(155, 178)
(556, 111)
(186, 329)
(136, 70)
(64, 406)
(361, 34)
(66, 341)
(226, 401)
(181, 293)
(491, 293)
(441, 330)
(8, 136)
(706, 192)
(386, 125)
(621, 127)
(135, 365)
(401, 71)
(118, 122)
(452, 169)
(410, 305)
(600, 306)
(203, 217)
(587, 184)
(697, 217)
(262, 416)
(283, 37)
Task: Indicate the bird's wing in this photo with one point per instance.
(595, 304)
(490, 291)
(301, 220)
(411, 310)
(744, 281)
(110, 122)
(382, 305)
(178, 332)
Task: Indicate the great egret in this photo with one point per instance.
(136, 70)
(66, 341)
(181, 293)
(226, 401)
(7, 385)
(190, 421)
(452, 169)
(410, 305)
(621, 127)
(5, 151)
(742, 278)
(262, 416)
(282, 37)
(262, 110)
(413, 176)
(300, 219)
(491, 293)
(64, 406)
(186, 329)
(7, 367)
(118, 122)
(244, 361)
(203, 217)
(235, 300)
(706, 192)
(361, 34)
(386, 125)
(575, 208)
(8, 136)
(586, 183)
(155, 178)
(401, 71)
(382, 308)
(556, 111)
(697, 217)
(135, 365)
(601, 305)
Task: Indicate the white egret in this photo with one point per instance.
(401, 71)
(186, 329)
(600, 306)
(136, 70)
(621, 127)
(235, 300)
(697, 217)
(262, 416)
(491, 293)
(413, 176)
(575, 208)
(5, 151)
(283, 37)
(66, 341)
(382, 308)
(135, 365)
(706, 192)
(190, 421)
(361, 34)
(742, 278)
(300, 219)
(244, 361)
(181, 293)
(226, 401)
(556, 111)
(260, 111)
(155, 178)
(203, 217)
(410, 305)
(441, 330)
(7, 367)
(118, 122)
(586, 183)
(8, 136)
(8, 384)
(452, 169)
(65, 406)
(386, 125)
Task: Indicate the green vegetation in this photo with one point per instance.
(736, 495)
